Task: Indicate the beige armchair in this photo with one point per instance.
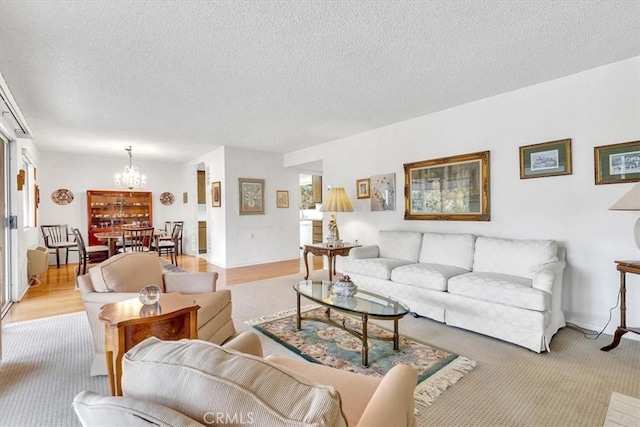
(122, 277)
(180, 383)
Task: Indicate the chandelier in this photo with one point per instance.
(130, 178)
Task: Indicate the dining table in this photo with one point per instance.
(112, 237)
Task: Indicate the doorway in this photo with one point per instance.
(202, 210)
(5, 283)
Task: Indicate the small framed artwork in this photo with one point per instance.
(282, 197)
(251, 196)
(216, 195)
(362, 188)
(451, 188)
(545, 159)
(617, 163)
(185, 198)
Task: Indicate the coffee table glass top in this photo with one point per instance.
(364, 302)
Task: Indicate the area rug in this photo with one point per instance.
(167, 267)
(328, 345)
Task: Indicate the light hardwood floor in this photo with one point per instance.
(57, 295)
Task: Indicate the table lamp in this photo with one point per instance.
(630, 202)
(336, 201)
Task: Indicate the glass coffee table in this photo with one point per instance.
(364, 304)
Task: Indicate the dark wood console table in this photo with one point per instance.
(330, 253)
(624, 267)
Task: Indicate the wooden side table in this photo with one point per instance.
(129, 322)
(624, 267)
(330, 253)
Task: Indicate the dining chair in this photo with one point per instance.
(139, 239)
(170, 246)
(168, 228)
(56, 238)
(84, 252)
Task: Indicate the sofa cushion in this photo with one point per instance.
(403, 245)
(448, 249)
(197, 377)
(211, 304)
(429, 276)
(502, 289)
(95, 410)
(379, 268)
(127, 272)
(513, 257)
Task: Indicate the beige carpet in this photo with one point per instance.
(510, 386)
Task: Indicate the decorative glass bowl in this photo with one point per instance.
(150, 295)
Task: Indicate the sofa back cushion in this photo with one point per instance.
(513, 257)
(127, 272)
(400, 244)
(448, 249)
(200, 379)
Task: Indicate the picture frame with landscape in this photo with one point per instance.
(251, 196)
(546, 159)
(617, 163)
(451, 188)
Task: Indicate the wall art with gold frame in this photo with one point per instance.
(617, 163)
(452, 188)
(545, 159)
(251, 196)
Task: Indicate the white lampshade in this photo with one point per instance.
(630, 202)
(337, 201)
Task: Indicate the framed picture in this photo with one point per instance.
(251, 196)
(185, 197)
(383, 192)
(216, 194)
(282, 198)
(546, 159)
(451, 188)
(362, 188)
(617, 163)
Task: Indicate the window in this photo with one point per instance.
(29, 193)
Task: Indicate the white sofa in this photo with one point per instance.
(507, 289)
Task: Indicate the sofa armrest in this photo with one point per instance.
(106, 297)
(392, 403)
(190, 283)
(545, 276)
(247, 342)
(362, 252)
(93, 409)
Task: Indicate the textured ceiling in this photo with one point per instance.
(178, 79)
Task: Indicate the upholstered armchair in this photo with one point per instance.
(122, 277)
(195, 383)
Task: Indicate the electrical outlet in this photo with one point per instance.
(252, 236)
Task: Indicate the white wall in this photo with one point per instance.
(593, 108)
(254, 239)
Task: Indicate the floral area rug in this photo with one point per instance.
(328, 345)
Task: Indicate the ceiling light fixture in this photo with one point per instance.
(130, 178)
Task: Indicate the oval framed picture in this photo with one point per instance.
(166, 198)
(62, 196)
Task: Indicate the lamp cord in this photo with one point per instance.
(591, 334)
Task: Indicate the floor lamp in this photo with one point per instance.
(630, 202)
(336, 201)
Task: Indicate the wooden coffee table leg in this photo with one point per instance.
(396, 336)
(365, 342)
(306, 263)
(298, 318)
